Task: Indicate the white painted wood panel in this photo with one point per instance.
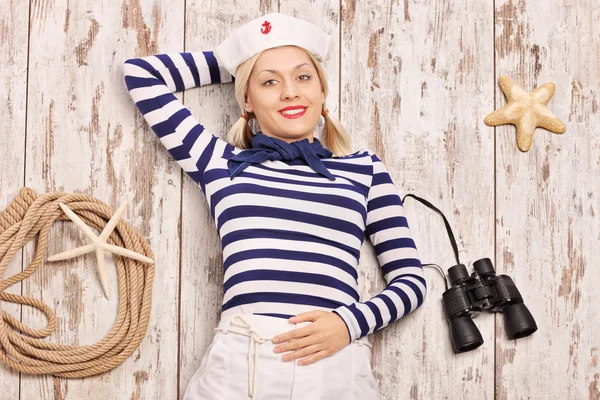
(13, 90)
(548, 219)
(84, 136)
(417, 84)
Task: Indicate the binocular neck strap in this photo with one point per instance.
(450, 234)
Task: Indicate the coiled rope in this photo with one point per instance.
(31, 214)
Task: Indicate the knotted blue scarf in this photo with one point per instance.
(271, 148)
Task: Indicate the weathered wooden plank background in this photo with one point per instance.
(411, 80)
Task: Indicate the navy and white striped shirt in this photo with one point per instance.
(290, 238)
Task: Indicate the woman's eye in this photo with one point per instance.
(307, 77)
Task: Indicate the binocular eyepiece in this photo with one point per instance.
(480, 291)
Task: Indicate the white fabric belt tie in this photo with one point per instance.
(237, 324)
(243, 327)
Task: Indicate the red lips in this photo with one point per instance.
(292, 116)
(292, 108)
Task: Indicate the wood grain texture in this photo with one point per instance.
(84, 136)
(410, 80)
(548, 223)
(417, 84)
(13, 89)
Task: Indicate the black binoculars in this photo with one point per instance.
(480, 291)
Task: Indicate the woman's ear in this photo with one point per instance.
(247, 106)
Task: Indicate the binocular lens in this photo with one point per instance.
(484, 267)
(518, 321)
(457, 273)
(464, 334)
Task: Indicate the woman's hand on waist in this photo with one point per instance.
(324, 337)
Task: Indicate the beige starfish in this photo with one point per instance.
(98, 244)
(526, 110)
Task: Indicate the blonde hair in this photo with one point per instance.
(334, 136)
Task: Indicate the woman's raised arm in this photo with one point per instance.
(151, 82)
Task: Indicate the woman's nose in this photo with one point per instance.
(289, 90)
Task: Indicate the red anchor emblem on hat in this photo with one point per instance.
(266, 27)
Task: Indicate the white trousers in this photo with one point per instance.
(240, 364)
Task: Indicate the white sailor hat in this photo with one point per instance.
(271, 30)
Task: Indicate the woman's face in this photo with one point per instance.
(284, 77)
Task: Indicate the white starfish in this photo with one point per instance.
(98, 244)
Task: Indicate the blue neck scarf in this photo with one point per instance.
(271, 148)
